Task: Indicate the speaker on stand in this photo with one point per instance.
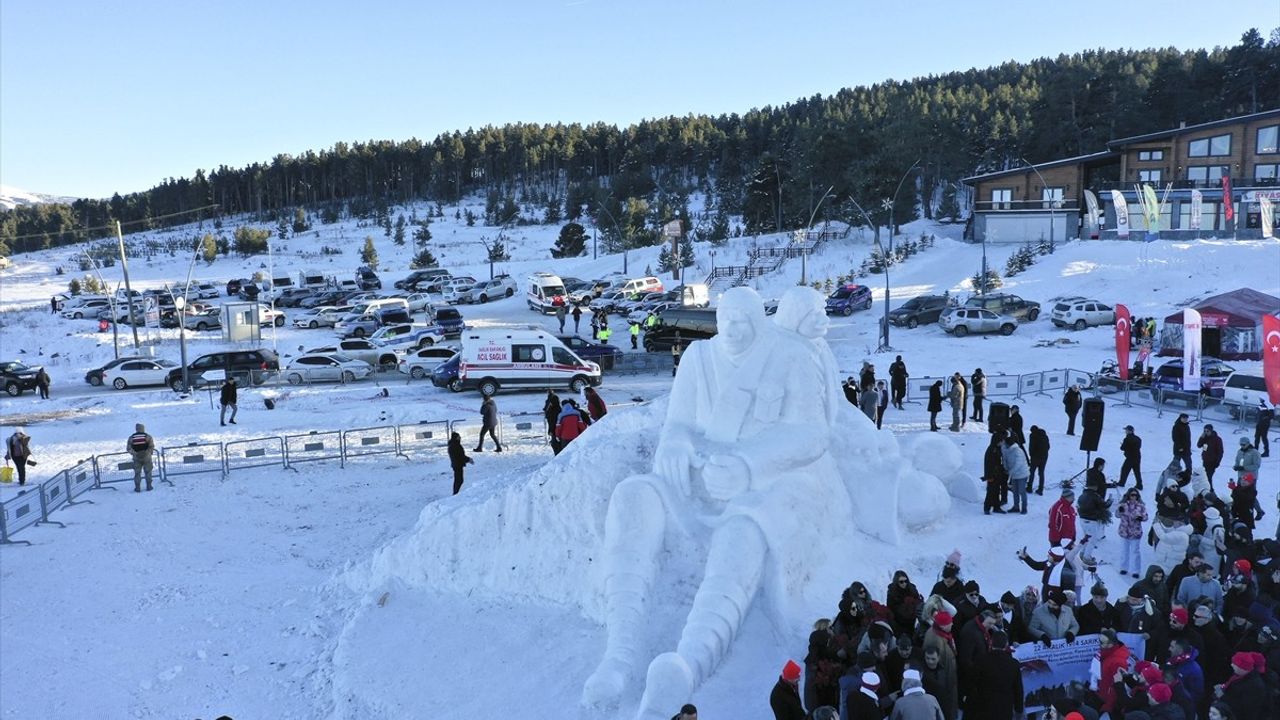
(1091, 432)
(998, 418)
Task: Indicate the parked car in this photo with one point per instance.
(626, 307)
(421, 363)
(321, 316)
(603, 354)
(206, 291)
(689, 323)
(356, 325)
(1006, 304)
(293, 297)
(847, 298)
(367, 279)
(324, 297)
(94, 376)
(249, 291)
(451, 290)
(609, 302)
(1244, 391)
(138, 372)
(267, 316)
(233, 287)
(919, 310)
(965, 320)
(376, 354)
(641, 312)
(448, 318)
(418, 301)
(420, 276)
(326, 367)
(1213, 376)
(1080, 313)
(448, 374)
(404, 336)
(210, 319)
(17, 377)
(246, 366)
(87, 309)
(486, 290)
(440, 283)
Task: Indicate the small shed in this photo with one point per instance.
(1231, 325)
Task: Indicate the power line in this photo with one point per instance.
(112, 226)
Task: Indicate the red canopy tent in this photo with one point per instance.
(1231, 325)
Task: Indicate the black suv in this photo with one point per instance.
(248, 367)
(367, 279)
(689, 324)
(920, 310)
(18, 378)
(1006, 304)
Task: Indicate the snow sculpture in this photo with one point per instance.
(938, 456)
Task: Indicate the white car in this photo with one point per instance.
(419, 363)
(486, 290)
(137, 373)
(1080, 313)
(418, 301)
(208, 319)
(322, 316)
(87, 309)
(203, 291)
(267, 316)
(404, 336)
(373, 353)
(326, 367)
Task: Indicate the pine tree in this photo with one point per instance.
(424, 259)
(719, 232)
(300, 224)
(498, 252)
(369, 254)
(399, 235)
(74, 286)
(665, 262)
(282, 228)
(386, 225)
(209, 248)
(571, 243)
(949, 207)
(471, 218)
(251, 241)
(422, 236)
(687, 258)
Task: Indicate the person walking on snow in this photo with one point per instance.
(458, 459)
(898, 381)
(867, 401)
(488, 424)
(1071, 402)
(978, 386)
(1131, 446)
(577, 318)
(560, 315)
(1038, 452)
(1262, 427)
(994, 476)
(227, 398)
(42, 383)
(883, 403)
(956, 396)
(570, 425)
(1062, 518)
(1133, 513)
(595, 404)
(1181, 436)
(18, 449)
(935, 404)
(1210, 444)
(140, 447)
(1015, 426)
(635, 335)
(1014, 459)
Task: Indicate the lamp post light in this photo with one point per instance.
(111, 297)
(1053, 202)
(889, 204)
(804, 248)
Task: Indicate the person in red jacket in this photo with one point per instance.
(595, 404)
(570, 424)
(1062, 518)
(1114, 658)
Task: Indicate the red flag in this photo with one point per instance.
(1271, 356)
(1228, 207)
(1124, 327)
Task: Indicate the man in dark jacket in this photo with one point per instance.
(1071, 402)
(1013, 618)
(1097, 614)
(1246, 692)
(488, 424)
(1015, 426)
(1038, 454)
(1181, 436)
(1131, 446)
(863, 703)
(551, 412)
(1210, 444)
(996, 479)
(973, 644)
(978, 386)
(458, 460)
(227, 398)
(785, 698)
(995, 691)
(898, 381)
(935, 404)
(1262, 427)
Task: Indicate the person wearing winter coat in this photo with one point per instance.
(898, 381)
(17, 447)
(595, 404)
(1213, 541)
(141, 447)
(1054, 620)
(1263, 426)
(1038, 452)
(863, 701)
(1184, 659)
(488, 423)
(458, 460)
(1062, 518)
(1172, 540)
(1180, 434)
(935, 404)
(995, 691)
(868, 399)
(1216, 655)
(1244, 500)
(785, 698)
(882, 402)
(1248, 460)
(1133, 514)
(1071, 402)
(1200, 585)
(1154, 584)
(1210, 444)
(1012, 617)
(1131, 446)
(978, 386)
(904, 602)
(941, 683)
(1113, 657)
(1058, 571)
(1093, 508)
(1097, 614)
(915, 703)
(1014, 459)
(570, 424)
(227, 398)
(996, 479)
(551, 412)
(867, 377)
(1246, 692)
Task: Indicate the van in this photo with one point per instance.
(313, 279)
(545, 292)
(494, 358)
(281, 282)
(641, 286)
(1244, 390)
(694, 295)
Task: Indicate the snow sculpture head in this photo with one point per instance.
(739, 319)
(803, 310)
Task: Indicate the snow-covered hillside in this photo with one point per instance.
(12, 197)
(263, 594)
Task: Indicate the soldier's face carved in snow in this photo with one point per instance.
(737, 319)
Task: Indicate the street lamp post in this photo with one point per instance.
(804, 249)
(111, 297)
(889, 205)
(1053, 202)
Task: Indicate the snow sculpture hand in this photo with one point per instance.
(726, 476)
(672, 461)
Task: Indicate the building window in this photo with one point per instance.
(1267, 140)
(1215, 146)
(1150, 155)
(1212, 174)
(1051, 197)
(1001, 198)
(1266, 172)
(1149, 176)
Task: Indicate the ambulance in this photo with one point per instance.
(498, 358)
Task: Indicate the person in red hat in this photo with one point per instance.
(785, 698)
(940, 637)
(1160, 695)
(1246, 692)
(1179, 629)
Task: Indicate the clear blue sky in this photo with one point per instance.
(99, 97)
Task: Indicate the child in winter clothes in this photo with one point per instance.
(1133, 513)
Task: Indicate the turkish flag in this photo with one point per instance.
(1271, 356)
(1124, 328)
(1228, 207)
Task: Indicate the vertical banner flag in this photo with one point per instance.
(1091, 202)
(1122, 214)
(1190, 350)
(1271, 356)
(1197, 211)
(1151, 204)
(1268, 217)
(1124, 328)
(1228, 207)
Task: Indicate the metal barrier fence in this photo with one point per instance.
(53, 494)
(115, 468)
(427, 436)
(313, 447)
(359, 442)
(469, 429)
(257, 452)
(528, 428)
(191, 459)
(18, 514)
(81, 478)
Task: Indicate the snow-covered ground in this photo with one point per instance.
(259, 596)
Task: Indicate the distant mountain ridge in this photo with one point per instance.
(12, 197)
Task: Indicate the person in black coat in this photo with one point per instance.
(1246, 692)
(935, 404)
(1038, 454)
(995, 684)
(1097, 614)
(1181, 436)
(1131, 446)
(898, 381)
(863, 701)
(785, 698)
(1262, 427)
(995, 477)
(551, 412)
(1014, 619)
(458, 460)
(227, 399)
(978, 386)
(1071, 402)
(1015, 427)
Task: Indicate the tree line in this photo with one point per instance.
(770, 166)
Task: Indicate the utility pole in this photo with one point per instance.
(128, 292)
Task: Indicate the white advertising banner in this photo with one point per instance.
(1122, 214)
(1197, 209)
(1268, 212)
(1190, 350)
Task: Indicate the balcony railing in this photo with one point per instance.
(1025, 205)
(1236, 184)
